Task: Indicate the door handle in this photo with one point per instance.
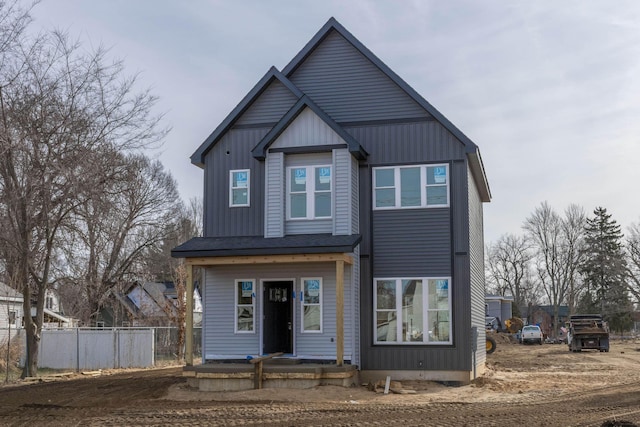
(289, 325)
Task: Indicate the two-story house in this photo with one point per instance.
(343, 222)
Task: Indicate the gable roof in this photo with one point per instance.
(260, 151)
(7, 293)
(197, 158)
(471, 148)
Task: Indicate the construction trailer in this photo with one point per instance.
(587, 331)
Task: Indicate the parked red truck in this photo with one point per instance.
(588, 331)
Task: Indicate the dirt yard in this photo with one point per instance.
(525, 385)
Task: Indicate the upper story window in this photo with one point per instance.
(239, 187)
(419, 186)
(309, 192)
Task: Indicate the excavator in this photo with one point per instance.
(493, 325)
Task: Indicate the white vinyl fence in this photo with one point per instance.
(104, 348)
(92, 349)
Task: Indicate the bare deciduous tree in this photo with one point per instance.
(557, 243)
(632, 247)
(61, 111)
(113, 230)
(508, 267)
(573, 225)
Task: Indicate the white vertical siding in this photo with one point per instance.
(274, 190)
(307, 130)
(355, 197)
(342, 194)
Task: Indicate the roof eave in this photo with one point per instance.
(479, 175)
(260, 151)
(197, 158)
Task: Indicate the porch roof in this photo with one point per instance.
(259, 245)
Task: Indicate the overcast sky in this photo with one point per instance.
(549, 91)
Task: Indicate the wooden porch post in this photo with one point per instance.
(339, 312)
(189, 317)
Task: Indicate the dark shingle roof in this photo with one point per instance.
(258, 245)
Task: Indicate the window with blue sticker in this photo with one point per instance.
(309, 191)
(311, 301)
(406, 187)
(245, 306)
(239, 187)
(412, 311)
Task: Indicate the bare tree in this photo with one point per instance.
(112, 231)
(162, 266)
(508, 267)
(62, 110)
(573, 228)
(557, 243)
(632, 247)
(187, 223)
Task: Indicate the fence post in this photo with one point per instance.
(154, 332)
(77, 349)
(115, 347)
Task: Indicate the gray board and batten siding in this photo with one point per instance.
(395, 126)
(233, 152)
(428, 242)
(348, 87)
(269, 107)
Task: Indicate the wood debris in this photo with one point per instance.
(394, 387)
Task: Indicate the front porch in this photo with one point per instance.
(324, 353)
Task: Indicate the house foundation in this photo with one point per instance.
(242, 376)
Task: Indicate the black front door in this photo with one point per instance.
(277, 327)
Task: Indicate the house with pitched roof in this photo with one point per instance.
(343, 223)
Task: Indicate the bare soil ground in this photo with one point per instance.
(525, 385)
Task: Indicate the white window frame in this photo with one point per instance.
(310, 192)
(398, 311)
(303, 305)
(424, 187)
(236, 305)
(231, 188)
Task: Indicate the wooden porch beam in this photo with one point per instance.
(339, 312)
(189, 317)
(270, 259)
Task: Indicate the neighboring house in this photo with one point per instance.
(11, 310)
(145, 304)
(498, 306)
(342, 222)
(54, 316)
(543, 316)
